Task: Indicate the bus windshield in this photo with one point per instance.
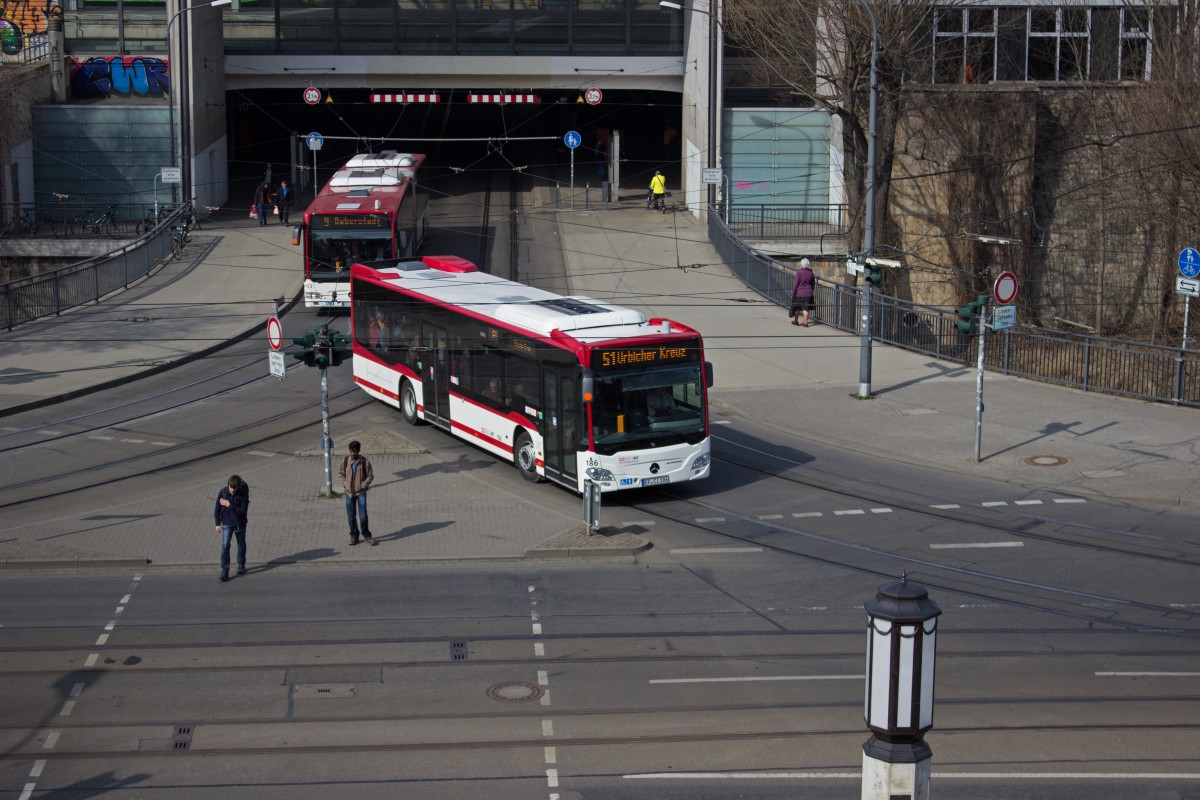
(649, 408)
(332, 252)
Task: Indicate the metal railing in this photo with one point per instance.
(774, 221)
(61, 219)
(32, 47)
(51, 293)
(1091, 363)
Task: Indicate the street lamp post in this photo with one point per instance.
(713, 77)
(864, 361)
(177, 57)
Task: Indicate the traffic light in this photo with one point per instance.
(342, 347)
(873, 273)
(323, 347)
(969, 315)
(307, 355)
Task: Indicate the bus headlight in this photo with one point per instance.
(600, 475)
(701, 462)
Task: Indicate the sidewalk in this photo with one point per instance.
(789, 378)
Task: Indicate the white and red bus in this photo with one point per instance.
(370, 209)
(569, 389)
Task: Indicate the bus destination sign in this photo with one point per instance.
(334, 221)
(644, 356)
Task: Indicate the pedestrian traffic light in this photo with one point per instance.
(323, 347)
(873, 269)
(970, 314)
(306, 342)
(342, 347)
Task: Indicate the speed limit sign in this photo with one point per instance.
(312, 95)
(593, 96)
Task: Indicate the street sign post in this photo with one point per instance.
(1004, 289)
(1004, 317)
(276, 364)
(572, 139)
(710, 175)
(1189, 262)
(274, 333)
(172, 174)
(1187, 286)
(315, 141)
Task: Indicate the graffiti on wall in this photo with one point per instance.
(120, 76)
(22, 19)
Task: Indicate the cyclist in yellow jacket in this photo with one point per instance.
(658, 190)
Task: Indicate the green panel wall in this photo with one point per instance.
(777, 156)
(103, 154)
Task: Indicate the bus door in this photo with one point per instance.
(560, 422)
(437, 375)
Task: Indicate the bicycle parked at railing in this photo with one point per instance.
(24, 224)
(179, 240)
(105, 224)
(152, 221)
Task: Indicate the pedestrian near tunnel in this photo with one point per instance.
(803, 287)
(230, 515)
(283, 201)
(658, 191)
(357, 476)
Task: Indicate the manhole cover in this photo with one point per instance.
(514, 692)
(1045, 461)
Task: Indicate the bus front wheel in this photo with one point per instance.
(525, 458)
(408, 404)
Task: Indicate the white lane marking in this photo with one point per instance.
(770, 516)
(552, 778)
(688, 551)
(848, 511)
(112, 624)
(533, 615)
(703, 520)
(717, 422)
(881, 511)
(543, 678)
(102, 639)
(539, 649)
(946, 506)
(38, 766)
(802, 514)
(260, 453)
(1027, 776)
(974, 545)
(134, 441)
(546, 698)
(120, 609)
(1029, 502)
(125, 600)
(162, 444)
(547, 727)
(1148, 674)
(762, 678)
(51, 740)
(646, 523)
(102, 438)
(537, 629)
(91, 660)
(67, 708)
(76, 690)
(47, 433)
(993, 503)
(28, 791)
(551, 755)
(1069, 500)
(531, 588)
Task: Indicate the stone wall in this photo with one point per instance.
(1052, 168)
(22, 86)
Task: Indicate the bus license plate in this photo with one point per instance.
(656, 481)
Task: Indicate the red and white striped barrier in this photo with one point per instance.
(406, 97)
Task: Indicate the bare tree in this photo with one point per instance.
(821, 50)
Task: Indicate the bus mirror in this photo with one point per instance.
(708, 374)
(588, 386)
(297, 234)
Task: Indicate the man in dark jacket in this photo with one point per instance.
(230, 515)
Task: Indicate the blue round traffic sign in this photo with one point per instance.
(572, 139)
(1189, 262)
(314, 141)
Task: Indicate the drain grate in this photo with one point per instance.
(458, 651)
(182, 740)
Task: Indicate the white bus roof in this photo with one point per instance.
(455, 281)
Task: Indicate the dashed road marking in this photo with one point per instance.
(703, 520)
(1029, 502)
(994, 503)
(551, 755)
(974, 545)
(881, 510)
(1069, 500)
(547, 727)
(691, 551)
(51, 740)
(848, 512)
(946, 506)
(753, 678)
(770, 516)
(803, 514)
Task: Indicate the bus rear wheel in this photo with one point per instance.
(525, 458)
(408, 404)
